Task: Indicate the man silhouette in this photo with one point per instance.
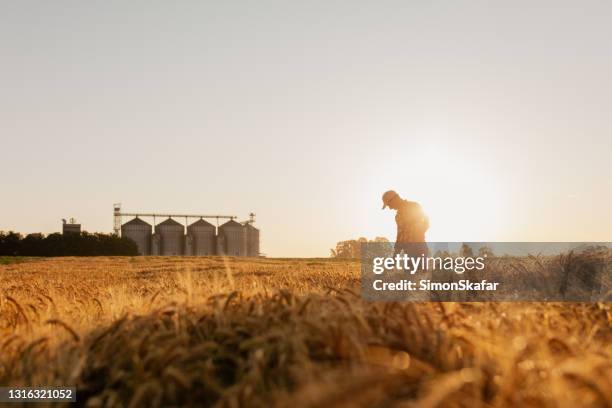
(412, 223)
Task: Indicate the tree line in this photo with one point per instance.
(83, 244)
(351, 249)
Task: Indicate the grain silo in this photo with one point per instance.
(203, 236)
(188, 248)
(233, 236)
(172, 236)
(138, 231)
(252, 238)
(155, 245)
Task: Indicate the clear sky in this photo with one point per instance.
(496, 116)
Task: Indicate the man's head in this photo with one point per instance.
(391, 199)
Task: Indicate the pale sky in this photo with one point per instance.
(496, 116)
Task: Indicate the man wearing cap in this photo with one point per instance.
(412, 223)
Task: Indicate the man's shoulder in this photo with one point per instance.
(406, 211)
(409, 205)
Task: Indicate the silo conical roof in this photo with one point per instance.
(137, 221)
(231, 223)
(170, 221)
(201, 223)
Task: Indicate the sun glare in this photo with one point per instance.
(460, 197)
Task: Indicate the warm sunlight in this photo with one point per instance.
(306, 203)
(471, 192)
(459, 195)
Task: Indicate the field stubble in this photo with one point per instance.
(159, 331)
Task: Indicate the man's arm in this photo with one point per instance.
(399, 221)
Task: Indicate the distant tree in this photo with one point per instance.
(442, 254)
(84, 244)
(55, 245)
(485, 251)
(352, 248)
(10, 243)
(466, 251)
(348, 249)
(595, 250)
(32, 245)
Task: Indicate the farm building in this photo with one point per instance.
(172, 235)
(202, 238)
(70, 227)
(232, 239)
(140, 232)
(199, 238)
(252, 237)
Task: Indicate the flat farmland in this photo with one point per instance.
(230, 332)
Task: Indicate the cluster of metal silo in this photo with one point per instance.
(252, 239)
(202, 238)
(232, 239)
(172, 235)
(140, 232)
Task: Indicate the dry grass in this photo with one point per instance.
(242, 332)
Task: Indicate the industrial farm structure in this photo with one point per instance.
(200, 238)
(70, 227)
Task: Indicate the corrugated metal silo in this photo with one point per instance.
(172, 236)
(203, 235)
(233, 236)
(252, 237)
(138, 231)
(188, 245)
(155, 245)
(220, 245)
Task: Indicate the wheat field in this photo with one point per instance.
(231, 332)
